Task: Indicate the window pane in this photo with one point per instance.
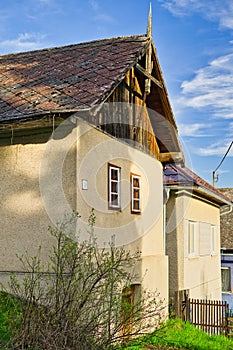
(114, 187)
(114, 199)
(136, 182)
(114, 174)
(192, 238)
(191, 242)
(226, 280)
(136, 193)
(136, 205)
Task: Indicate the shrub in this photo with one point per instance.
(76, 301)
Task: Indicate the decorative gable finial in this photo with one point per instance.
(149, 23)
(148, 66)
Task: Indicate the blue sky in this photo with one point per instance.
(194, 41)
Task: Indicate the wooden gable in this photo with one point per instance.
(81, 79)
(148, 123)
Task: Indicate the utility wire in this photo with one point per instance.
(215, 178)
(224, 156)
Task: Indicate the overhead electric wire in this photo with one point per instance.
(228, 150)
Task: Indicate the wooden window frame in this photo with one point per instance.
(133, 199)
(111, 205)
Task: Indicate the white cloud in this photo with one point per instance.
(24, 42)
(231, 129)
(218, 148)
(220, 171)
(99, 15)
(104, 18)
(220, 11)
(193, 130)
(211, 88)
(94, 5)
(182, 7)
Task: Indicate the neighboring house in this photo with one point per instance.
(105, 153)
(227, 276)
(192, 234)
(226, 222)
(226, 227)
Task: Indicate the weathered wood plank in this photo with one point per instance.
(149, 76)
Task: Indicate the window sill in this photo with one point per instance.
(136, 212)
(193, 256)
(114, 208)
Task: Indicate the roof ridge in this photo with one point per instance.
(136, 37)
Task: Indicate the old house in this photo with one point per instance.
(226, 224)
(192, 234)
(83, 126)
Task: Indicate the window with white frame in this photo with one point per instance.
(213, 238)
(114, 195)
(226, 279)
(135, 193)
(192, 239)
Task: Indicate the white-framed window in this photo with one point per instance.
(226, 279)
(213, 237)
(114, 190)
(135, 193)
(192, 239)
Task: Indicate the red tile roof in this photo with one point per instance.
(174, 174)
(65, 78)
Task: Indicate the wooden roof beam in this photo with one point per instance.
(148, 75)
(171, 157)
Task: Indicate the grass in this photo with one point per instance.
(176, 334)
(10, 310)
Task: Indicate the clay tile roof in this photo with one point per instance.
(182, 176)
(65, 78)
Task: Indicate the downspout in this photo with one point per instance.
(166, 195)
(227, 212)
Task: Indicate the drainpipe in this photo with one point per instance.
(227, 212)
(166, 195)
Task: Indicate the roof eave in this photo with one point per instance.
(201, 190)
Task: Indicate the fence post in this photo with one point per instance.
(187, 314)
(226, 328)
(180, 305)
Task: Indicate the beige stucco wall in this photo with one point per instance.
(24, 220)
(201, 275)
(40, 181)
(144, 231)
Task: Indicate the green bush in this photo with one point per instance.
(81, 299)
(10, 313)
(175, 334)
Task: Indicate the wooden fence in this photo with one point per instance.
(209, 315)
